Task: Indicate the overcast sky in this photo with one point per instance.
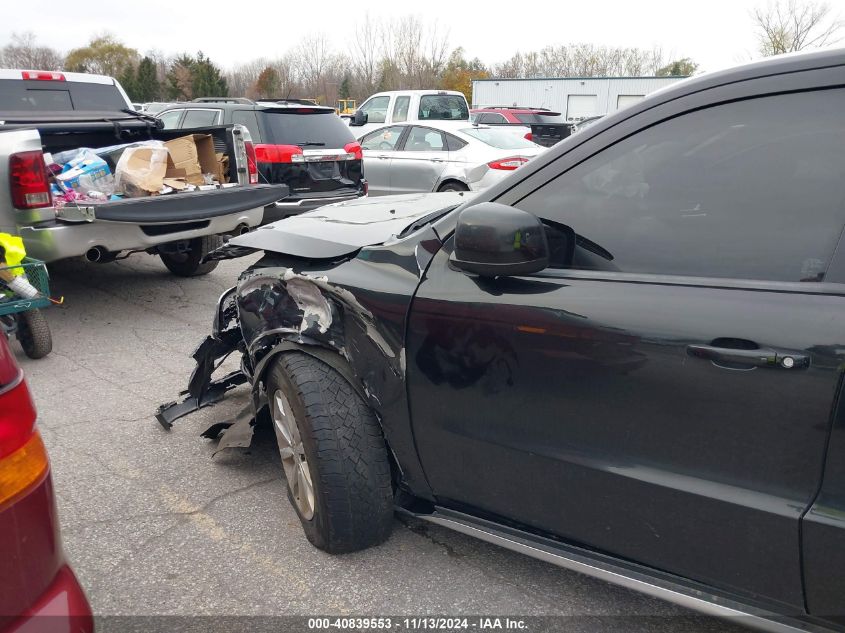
(716, 33)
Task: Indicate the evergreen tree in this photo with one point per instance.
(128, 80)
(207, 80)
(147, 87)
(345, 90)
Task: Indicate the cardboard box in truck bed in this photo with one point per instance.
(195, 154)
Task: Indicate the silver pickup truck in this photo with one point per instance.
(52, 112)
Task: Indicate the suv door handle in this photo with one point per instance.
(763, 357)
(436, 160)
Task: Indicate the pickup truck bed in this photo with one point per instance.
(52, 233)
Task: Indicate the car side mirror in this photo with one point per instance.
(495, 240)
(359, 119)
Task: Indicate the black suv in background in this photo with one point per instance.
(297, 143)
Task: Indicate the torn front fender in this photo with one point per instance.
(202, 391)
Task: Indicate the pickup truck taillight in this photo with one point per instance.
(28, 180)
(251, 163)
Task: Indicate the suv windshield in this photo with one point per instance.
(309, 129)
(541, 117)
(59, 96)
(497, 137)
(443, 108)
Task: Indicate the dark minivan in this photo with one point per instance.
(297, 143)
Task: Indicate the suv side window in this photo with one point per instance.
(171, 119)
(376, 109)
(400, 109)
(491, 117)
(199, 118)
(248, 119)
(753, 189)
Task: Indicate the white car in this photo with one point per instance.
(441, 156)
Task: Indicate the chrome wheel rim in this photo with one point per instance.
(292, 451)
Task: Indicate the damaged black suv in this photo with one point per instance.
(626, 359)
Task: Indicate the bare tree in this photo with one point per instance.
(24, 52)
(787, 26)
(582, 60)
(366, 53)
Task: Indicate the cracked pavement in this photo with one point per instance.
(154, 526)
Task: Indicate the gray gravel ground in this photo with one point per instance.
(155, 527)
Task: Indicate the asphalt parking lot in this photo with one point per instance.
(155, 527)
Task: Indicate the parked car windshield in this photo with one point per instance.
(500, 138)
(443, 108)
(540, 117)
(59, 96)
(314, 129)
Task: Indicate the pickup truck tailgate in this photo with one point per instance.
(191, 206)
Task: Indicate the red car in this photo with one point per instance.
(38, 590)
(546, 127)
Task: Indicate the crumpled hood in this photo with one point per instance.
(342, 228)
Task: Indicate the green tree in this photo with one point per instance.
(104, 55)
(268, 84)
(207, 80)
(679, 68)
(147, 87)
(345, 89)
(128, 80)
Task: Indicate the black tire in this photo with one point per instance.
(34, 334)
(188, 264)
(345, 451)
(454, 186)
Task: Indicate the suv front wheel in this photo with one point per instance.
(333, 454)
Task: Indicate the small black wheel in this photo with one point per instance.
(187, 264)
(454, 186)
(34, 334)
(333, 454)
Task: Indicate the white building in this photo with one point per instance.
(575, 98)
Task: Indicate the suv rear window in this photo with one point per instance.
(59, 96)
(538, 117)
(443, 108)
(314, 129)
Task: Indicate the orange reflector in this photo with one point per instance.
(21, 470)
(530, 329)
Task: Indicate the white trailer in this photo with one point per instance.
(575, 98)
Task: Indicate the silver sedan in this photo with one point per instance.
(441, 156)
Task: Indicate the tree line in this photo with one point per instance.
(391, 54)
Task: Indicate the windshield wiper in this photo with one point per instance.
(310, 144)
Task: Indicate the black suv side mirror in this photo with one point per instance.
(359, 119)
(493, 240)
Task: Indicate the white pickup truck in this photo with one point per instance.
(52, 112)
(399, 106)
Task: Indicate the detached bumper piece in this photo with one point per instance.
(202, 390)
